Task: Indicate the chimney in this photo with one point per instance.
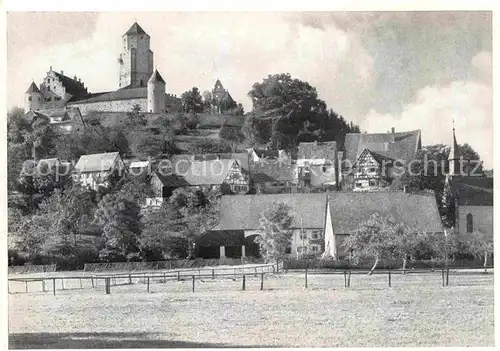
(62, 73)
(393, 132)
(405, 189)
(74, 78)
(50, 69)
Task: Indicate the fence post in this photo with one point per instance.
(178, 275)
(306, 278)
(43, 285)
(255, 271)
(442, 275)
(92, 279)
(389, 278)
(345, 279)
(148, 284)
(262, 281)
(193, 283)
(107, 282)
(349, 279)
(81, 283)
(26, 284)
(447, 276)
(54, 285)
(277, 267)
(213, 273)
(62, 283)
(164, 278)
(130, 278)
(243, 283)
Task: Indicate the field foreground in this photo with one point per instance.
(416, 311)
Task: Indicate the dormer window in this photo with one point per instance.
(48, 80)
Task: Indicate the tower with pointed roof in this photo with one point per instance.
(136, 59)
(156, 93)
(32, 98)
(455, 159)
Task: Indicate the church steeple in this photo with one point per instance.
(455, 156)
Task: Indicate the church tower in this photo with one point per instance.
(454, 158)
(136, 59)
(156, 93)
(32, 98)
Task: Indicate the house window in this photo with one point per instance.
(315, 234)
(48, 88)
(315, 249)
(141, 83)
(303, 236)
(359, 185)
(29, 98)
(371, 182)
(324, 168)
(288, 250)
(470, 224)
(373, 169)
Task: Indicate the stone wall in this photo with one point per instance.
(115, 105)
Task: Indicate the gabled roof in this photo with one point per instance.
(242, 212)
(135, 29)
(472, 191)
(402, 146)
(33, 88)
(73, 87)
(272, 171)
(156, 77)
(121, 94)
(96, 162)
(218, 85)
(241, 157)
(317, 150)
(349, 209)
(187, 171)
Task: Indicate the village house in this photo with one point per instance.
(371, 161)
(264, 155)
(317, 164)
(345, 211)
(63, 121)
(239, 224)
(93, 171)
(273, 177)
(228, 173)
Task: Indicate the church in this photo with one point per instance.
(139, 84)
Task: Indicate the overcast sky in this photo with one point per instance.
(408, 70)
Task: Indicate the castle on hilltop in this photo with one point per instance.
(139, 84)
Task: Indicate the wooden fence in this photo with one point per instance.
(60, 283)
(31, 269)
(159, 265)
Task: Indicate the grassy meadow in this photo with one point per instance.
(416, 311)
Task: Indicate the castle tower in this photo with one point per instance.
(32, 98)
(156, 93)
(136, 59)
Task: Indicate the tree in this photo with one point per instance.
(72, 212)
(229, 133)
(447, 206)
(475, 166)
(17, 125)
(289, 108)
(135, 118)
(192, 101)
(473, 244)
(119, 218)
(376, 238)
(208, 101)
(162, 236)
(275, 237)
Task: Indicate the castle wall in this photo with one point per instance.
(115, 105)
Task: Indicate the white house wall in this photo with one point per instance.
(482, 219)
